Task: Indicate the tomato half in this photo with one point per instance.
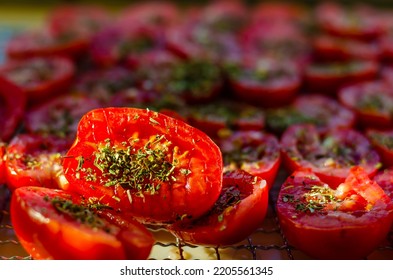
(145, 163)
(371, 101)
(255, 152)
(330, 155)
(238, 212)
(326, 223)
(59, 116)
(54, 224)
(35, 160)
(329, 77)
(265, 82)
(40, 77)
(13, 102)
(322, 111)
(382, 141)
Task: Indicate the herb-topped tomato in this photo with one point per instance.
(145, 163)
(237, 213)
(330, 155)
(322, 111)
(382, 141)
(256, 152)
(12, 107)
(266, 82)
(329, 77)
(54, 224)
(327, 223)
(35, 160)
(40, 77)
(371, 101)
(59, 116)
(219, 117)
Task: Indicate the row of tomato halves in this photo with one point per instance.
(237, 94)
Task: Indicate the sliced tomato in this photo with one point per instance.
(322, 111)
(347, 223)
(255, 152)
(382, 141)
(13, 102)
(330, 77)
(371, 101)
(384, 179)
(43, 43)
(265, 82)
(59, 116)
(40, 77)
(331, 155)
(238, 212)
(54, 224)
(219, 117)
(144, 163)
(35, 160)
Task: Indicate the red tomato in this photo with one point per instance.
(357, 22)
(330, 77)
(329, 48)
(12, 107)
(59, 116)
(331, 155)
(266, 82)
(145, 163)
(121, 45)
(160, 14)
(383, 144)
(372, 103)
(322, 111)
(238, 212)
(255, 152)
(54, 224)
(217, 118)
(43, 43)
(384, 179)
(35, 160)
(2, 163)
(326, 223)
(40, 77)
(78, 20)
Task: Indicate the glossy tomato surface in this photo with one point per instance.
(40, 78)
(54, 224)
(330, 155)
(35, 160)
(146, 163)
(255, 152)
(239, 211)
(13, 102)
(326, 223)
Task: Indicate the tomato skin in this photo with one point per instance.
(47, 234)
(2, 163)
(255, 152)
(13, 102)
(233, 223)
(34, 160)
(381, 140)
(59, 71)
(334, 234)
(331, 155)
(198, 174)
(371, 101)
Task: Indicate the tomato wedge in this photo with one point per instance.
(326, 223)
(330, 155)
(12, 107)
(35, 160)
(238, 212)
(145, 163)
(54, 224)
(255, 152)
